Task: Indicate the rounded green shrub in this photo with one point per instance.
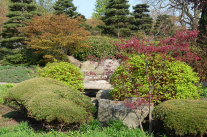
(100, 47)
(178, 80)
(182, 117)
(51, 102)
(65, 72)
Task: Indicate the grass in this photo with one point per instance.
(23, 130)
(115, 129)
(12, 74)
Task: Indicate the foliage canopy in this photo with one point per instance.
(55, 36)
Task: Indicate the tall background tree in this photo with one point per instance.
(116, 18)
(12, 33)
(100, 8)
(3, 12)
(185, 10)
(163, 26)
(143, 21)
(61, 35)
(203, 26)
(45, 6)
(67, 7)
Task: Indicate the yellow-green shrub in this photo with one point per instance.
(178, 81)
(65, 72)
(182, 117)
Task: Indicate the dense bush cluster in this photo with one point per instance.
(65, 72)
(52, 102)
(183, 117)
(100, 47)
(177, 82)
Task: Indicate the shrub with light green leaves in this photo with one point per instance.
(178, 81)
(65, 72)
(52, 102)
(3, 89)
(182, 117)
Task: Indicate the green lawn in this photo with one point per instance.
(12, 74)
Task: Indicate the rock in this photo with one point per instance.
(106, 66)
(74, 61)
(114, 110)
(100, 81)
(103, 94)
(88, 66)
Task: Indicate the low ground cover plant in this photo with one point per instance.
(3, 90)
(203, 92)
(182, 117)
(52, 103)
(65, 72)
(15, 74)
(114, 129)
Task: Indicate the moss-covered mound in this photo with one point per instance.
(183, 117)
(52, 102)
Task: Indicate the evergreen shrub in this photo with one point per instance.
(65, 72)
(182, 117)
(4, 52)
(51, 102)
(178, 81)
(13, 57)
(100, 47)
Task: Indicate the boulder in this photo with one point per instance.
(103, 94)
(88, 66)
(114, 110)
(106, 66)
(74, 61)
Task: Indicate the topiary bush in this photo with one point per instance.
(182, 117)
(100, 47)
(178, 81)
(52, 103)
(65, 72)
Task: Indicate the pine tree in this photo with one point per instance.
(143, 21)
(116, 18)
(163, 26)
(67, 7)
(20, 12)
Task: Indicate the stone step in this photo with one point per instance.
(97, 86)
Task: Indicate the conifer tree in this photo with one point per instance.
(67, 7)
(12, 33)
(142, 21)
(163, 26)
(116, 18)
